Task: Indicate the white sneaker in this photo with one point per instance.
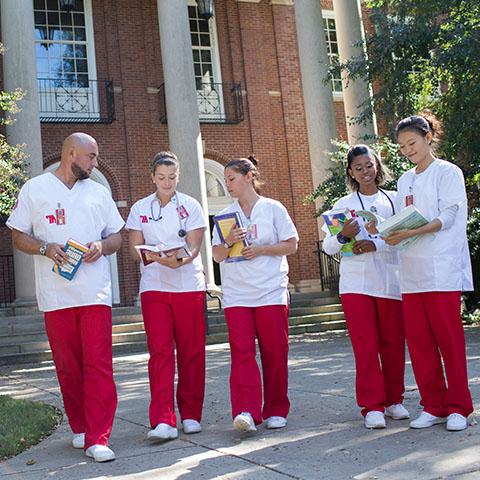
(456, 422)
(375, 419)
(191, 426)
(397, 411)
(425, 420)
(100, 453)
(78, 440)
(244, 422)
(276, 422)
(161, 432)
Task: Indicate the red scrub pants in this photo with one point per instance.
(270, 325)
(81, 343)
(434, 331)
(377, 334)
(175, 320)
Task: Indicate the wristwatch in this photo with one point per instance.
(227, 246)
(342, 238)
(43, 248)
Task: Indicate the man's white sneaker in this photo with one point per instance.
(244, 422)
(397, 411)
(78, 440)
(456, 422)
(425, 420)
(100, 453)
(162, 432)
(191, 426)
(276, 422)
(375, 419)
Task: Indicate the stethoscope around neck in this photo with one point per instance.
(181, 230)
(372, 208)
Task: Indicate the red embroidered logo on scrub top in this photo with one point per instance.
(51, 219)
(143, 218)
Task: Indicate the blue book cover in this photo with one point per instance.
(223, 224)
(75, 252)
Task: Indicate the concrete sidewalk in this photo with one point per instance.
(325, 437)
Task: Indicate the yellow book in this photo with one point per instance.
(223, 224)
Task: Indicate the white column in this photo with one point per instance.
(182, 109)
(317, 96)
(350, 31)
(19, 71)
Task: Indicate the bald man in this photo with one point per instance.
(51, 209)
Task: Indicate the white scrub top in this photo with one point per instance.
(187, 215)
(371, 273)
(51, 212)
(264, 279)
(437, 261)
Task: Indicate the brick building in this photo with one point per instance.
(147, 75)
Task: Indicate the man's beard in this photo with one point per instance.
(79, 173)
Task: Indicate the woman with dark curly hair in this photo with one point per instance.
(370, 291)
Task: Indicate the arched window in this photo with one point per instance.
(217, 194)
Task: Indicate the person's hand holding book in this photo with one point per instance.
(363, 246)
(396, 237)
(167, 260)
(350, 228)
(236, 234)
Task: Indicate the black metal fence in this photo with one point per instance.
(217, 103)
(76, 101)
(7, 283)
(329, 269)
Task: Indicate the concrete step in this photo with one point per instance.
(140, 346)
(23, 338)
(216, 324)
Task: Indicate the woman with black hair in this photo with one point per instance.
(370, 291)
(434, 270)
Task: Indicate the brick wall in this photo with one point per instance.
(257, 45)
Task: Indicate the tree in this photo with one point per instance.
(12, 167)
(424, 54)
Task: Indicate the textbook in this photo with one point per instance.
(181, 252)
(223, 224)
(334, 220)
(75, 252)
(408, 219)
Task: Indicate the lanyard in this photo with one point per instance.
(380, 190)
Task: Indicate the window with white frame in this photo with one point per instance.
(332, 47)
(65, 56)
(206, 64)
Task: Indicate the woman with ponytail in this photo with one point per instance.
(370, 291)
(255, 299)
(434, 271)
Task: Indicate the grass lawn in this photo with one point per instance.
(24, 423)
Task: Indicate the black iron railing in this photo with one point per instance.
(329, 269)
(217, 103)
(7, 280)
(76, 101)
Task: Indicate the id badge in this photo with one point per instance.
(60, 215)
(408, 200)
(182, 212)
(252, 232)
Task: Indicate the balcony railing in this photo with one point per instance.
(76, 101)
(329, 269)
(217, 103)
